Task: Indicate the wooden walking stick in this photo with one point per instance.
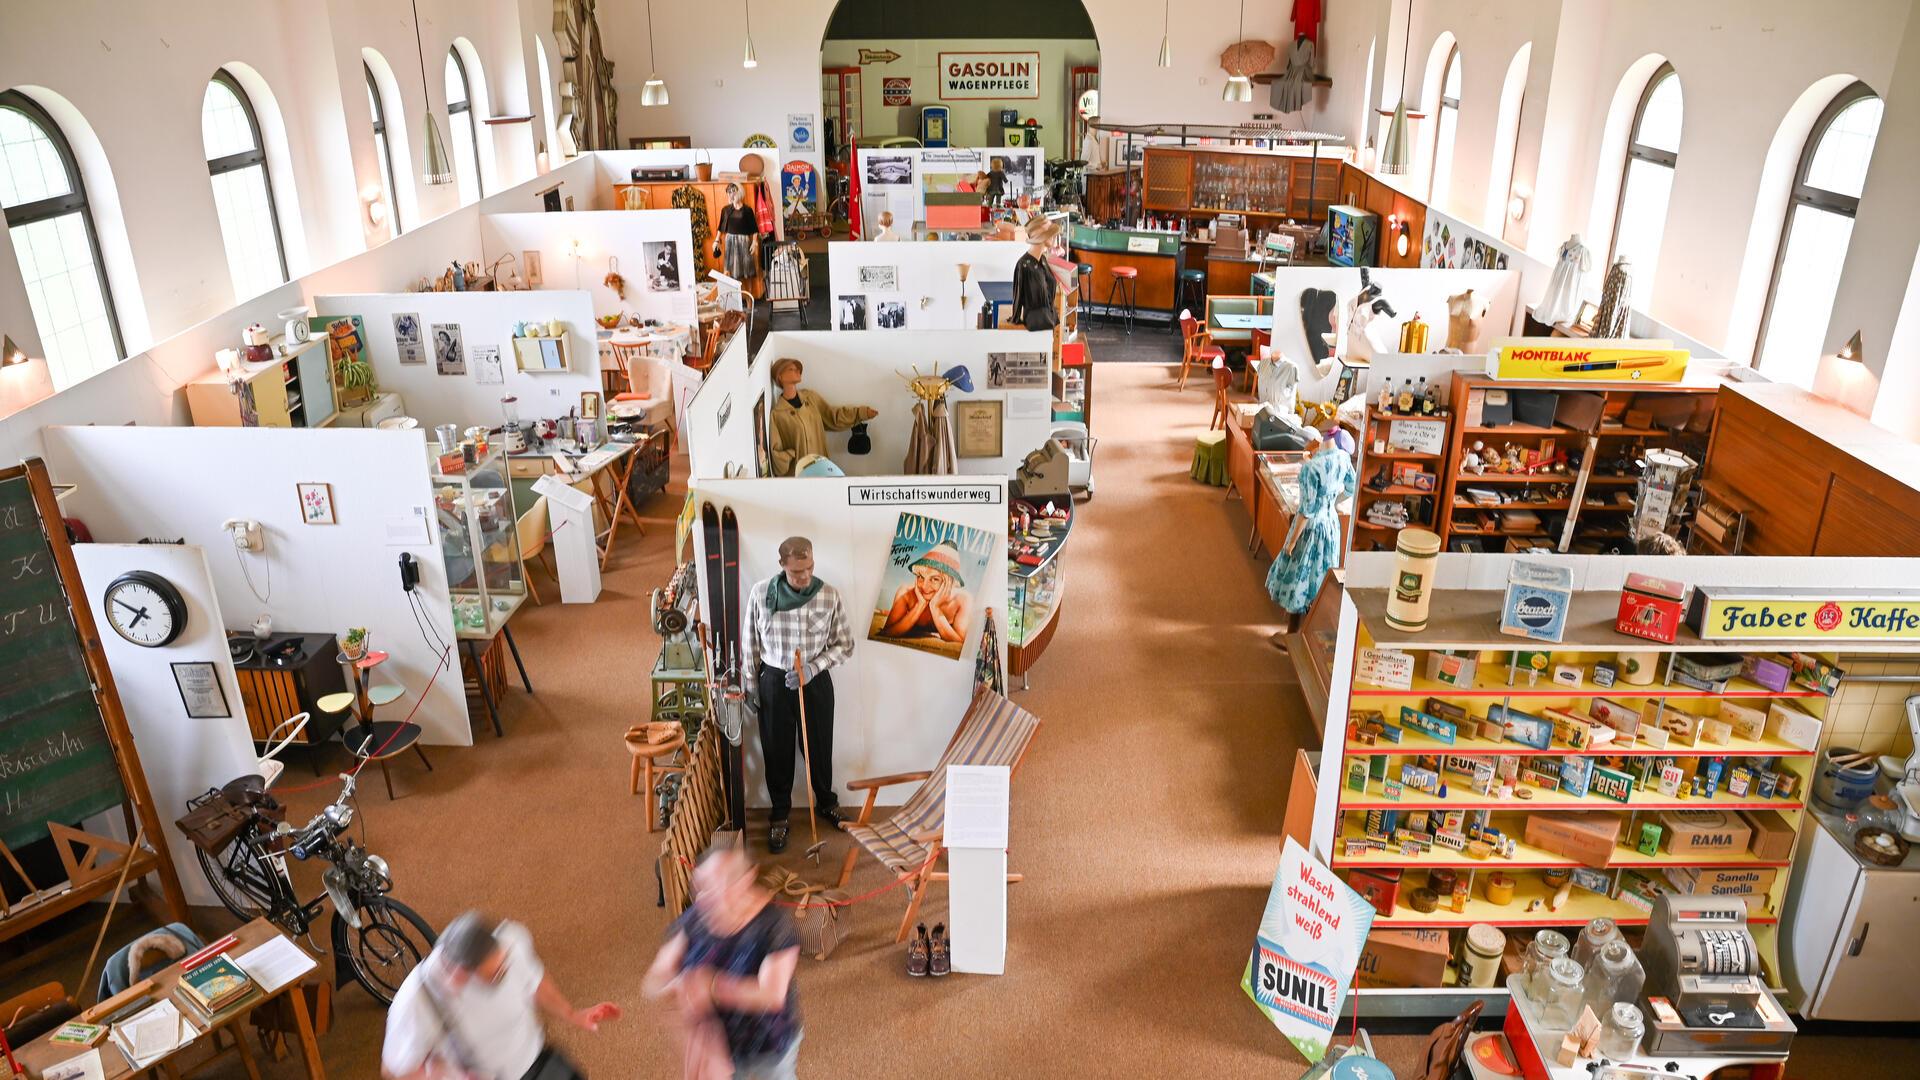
(806, 757)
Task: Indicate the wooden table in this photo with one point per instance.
(481, 648)
(609, 478)
(43, 1052)
(1238, 320)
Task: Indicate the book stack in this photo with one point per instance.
(213, 992)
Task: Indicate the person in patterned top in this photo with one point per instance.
(794, 610)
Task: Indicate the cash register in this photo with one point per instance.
(1705, 992)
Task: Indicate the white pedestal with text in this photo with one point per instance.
(976, 841)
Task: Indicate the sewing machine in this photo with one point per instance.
(674, 613)
(1705, 992)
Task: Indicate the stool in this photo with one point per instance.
(641, 776)
(1126, 285)
(1192, 292)
(1210, 458)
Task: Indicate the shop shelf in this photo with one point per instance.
(1414, 743)
(1395, 489)
(1518, 429)
(1493, 685)
(1597, 479)
(1551, 504)
(1528, 857)
(1580, 907)
(1470, 479)
(1464, 798)
(1468, 530)
(1403, 455)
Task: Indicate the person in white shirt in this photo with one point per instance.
(472, 1009)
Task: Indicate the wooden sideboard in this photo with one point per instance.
(273, 691)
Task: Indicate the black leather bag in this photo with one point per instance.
(858, 441)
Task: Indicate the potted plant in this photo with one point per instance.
(354, 645)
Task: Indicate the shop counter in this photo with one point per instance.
(1156, 255)
(1034, 590)
(1230, 276)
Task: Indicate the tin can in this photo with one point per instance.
(1416, 554)
(1480, 958)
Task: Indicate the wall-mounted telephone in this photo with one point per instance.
(409, 571)
(247, 535)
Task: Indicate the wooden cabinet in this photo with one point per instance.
(1202, 182)
(271, 690)
(658, 195)
(295, 390)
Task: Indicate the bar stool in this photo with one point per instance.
(640, 779)
(1126, 285)
(1193, 291)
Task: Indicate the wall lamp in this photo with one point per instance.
(376, 207)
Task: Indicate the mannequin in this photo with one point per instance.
(886, 227)
(1466, 326)
(1363, 323)
(794, 610)
(1562, 298)
(800, 419)
(1034, 286)
(1292, 91)
(735, 235)
(1312, 546)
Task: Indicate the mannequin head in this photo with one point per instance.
(786, 375)
(886, 219)
(1040, 235)
(734, 195)
(796, 561)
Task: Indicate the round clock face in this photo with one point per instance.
(145, 609)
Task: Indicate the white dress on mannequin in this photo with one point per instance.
(1562, 299)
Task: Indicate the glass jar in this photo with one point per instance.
(1559, 999)
(1614, 975)
(1593, 936)
(1620, 1032)
(1877, 812)
(1546, 947)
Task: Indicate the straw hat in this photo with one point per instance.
(1042, 231)
(945, 558)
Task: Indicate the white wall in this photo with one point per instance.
(908, 201)
(716, 448)
(929, 276)
(484, 318)
(971, 122)
(866, 367)
(183, 482)
(182, 757)
(895, 708)
(601, 235)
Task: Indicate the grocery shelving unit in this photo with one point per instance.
(1368, 536)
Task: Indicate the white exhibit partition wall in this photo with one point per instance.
(717, 422)
(182, 483)
(578, 251)
(485, 322)
(182, 755)
(871, 367)
(896, 178)
(895, 707)
(922, 278)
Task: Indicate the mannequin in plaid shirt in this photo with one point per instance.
(788, 611)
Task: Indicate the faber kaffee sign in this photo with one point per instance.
(975, 76)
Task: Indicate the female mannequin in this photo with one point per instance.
(800, 419)
(735, 234)
(1034, 286)
(1312, 546)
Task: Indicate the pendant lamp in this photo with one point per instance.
(1239, 87)
(749, 60)
(1166, 34)
(1396, 155)
(439, 167)
(655, 90)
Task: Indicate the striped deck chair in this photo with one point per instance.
(995, 731)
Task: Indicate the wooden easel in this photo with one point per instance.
(91, 874)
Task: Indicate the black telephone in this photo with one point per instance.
(409, 571)
(285, 652)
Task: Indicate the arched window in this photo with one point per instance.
(1447, 125)
(389, 183)
(463, 129)
(1813, 243)
(242, 190)
(546, 100)
(54, 240)
(1652, 154)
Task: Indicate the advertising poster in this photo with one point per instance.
(449, 350)
(991, 76)
(406, 338)
(927, 596)
(896, 90)
(1304, 956)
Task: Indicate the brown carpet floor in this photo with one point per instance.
(1146, 818)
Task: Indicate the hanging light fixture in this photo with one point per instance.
(439, 168)
(1166, 34)
(655, 90)
(1396, 155)
(749, 60)
(1239, 87)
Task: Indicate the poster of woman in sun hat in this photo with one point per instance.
(926, 597)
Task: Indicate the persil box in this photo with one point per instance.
(1538, 596)
(1651, 608)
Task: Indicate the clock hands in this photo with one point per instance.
(138, 612)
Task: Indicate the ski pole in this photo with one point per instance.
(806, 756)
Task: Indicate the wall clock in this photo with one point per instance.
(145, 608)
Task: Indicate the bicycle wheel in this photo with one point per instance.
(392, 938)
(241, 879)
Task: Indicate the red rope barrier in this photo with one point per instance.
(852, 900)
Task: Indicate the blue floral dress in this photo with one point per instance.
(1325, 480)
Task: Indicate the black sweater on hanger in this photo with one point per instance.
(1034, 289)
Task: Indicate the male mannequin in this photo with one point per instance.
(793, 610)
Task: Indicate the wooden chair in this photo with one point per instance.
(1257, 351)
(533, 531)
(269, 764)
(994, 731)
(1222, 410)
(629, 357)
(1197, 346)
(717, 336)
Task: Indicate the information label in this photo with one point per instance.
(925, 495)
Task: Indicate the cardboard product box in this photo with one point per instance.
(1705, 832)
(1538, 598)
(1747, 721)
(1381, 888)
(1403, 958)
(1651, 608)
(1773, 837)
(1723, 880)
(1587, 837)
(1771, 671)
(1787, 723)
(1453, 668)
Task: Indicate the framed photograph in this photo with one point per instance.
(590, 404)
(850, 313)
(1583, 321)
(530, 266)
(316, 504)
(663, 265)
(200, 690)
(407, 339)
(977, 428)
(487, 369)
(449, 351)
(889, 314)
(1017, 371)
(879, 278)
(889, 170)
(762, 459)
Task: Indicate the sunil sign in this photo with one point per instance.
(991, 76)
(1308, 946)
(1728, 613)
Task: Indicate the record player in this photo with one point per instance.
(1705, 991)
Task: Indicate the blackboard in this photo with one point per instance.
(56, 763)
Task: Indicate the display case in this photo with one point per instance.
(1195, 182)
(1035, 580)
(480, 541)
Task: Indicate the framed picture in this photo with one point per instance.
(1583, 321)
(200, 691)
(977, 428)
(1017, 371)
(879, 278)
(663, 265)
(850, 313)
(762, 459)
(316, 504)
(530, 265)
(590, 404)
(889, 313)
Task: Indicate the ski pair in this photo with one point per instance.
(720, 530)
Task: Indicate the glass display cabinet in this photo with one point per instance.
(480, 541)
(1034, 583)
